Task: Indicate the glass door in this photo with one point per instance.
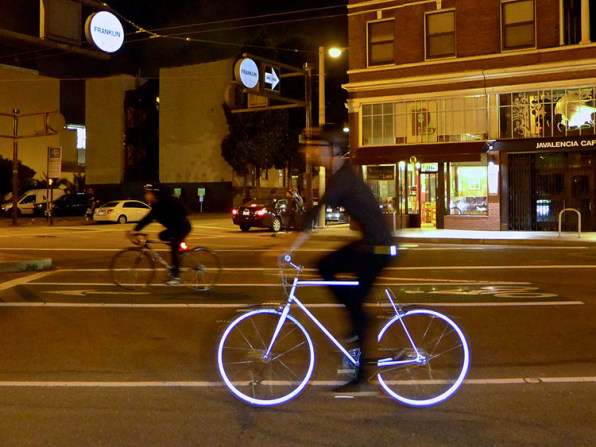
(428, 199)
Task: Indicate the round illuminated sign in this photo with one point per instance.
(247, 72)
(104, 31)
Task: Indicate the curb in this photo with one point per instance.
(25, 266)
(469, 241)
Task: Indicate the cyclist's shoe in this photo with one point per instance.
(174, 281)
(356, 387)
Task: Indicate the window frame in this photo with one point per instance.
(368, 42)
(503, 26)
(426, 35)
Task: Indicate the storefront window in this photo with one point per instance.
(413, 188)
(468, 189)
(381, 180)
(547, 113)
(425, 121)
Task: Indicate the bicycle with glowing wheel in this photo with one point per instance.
(266, 356)
(134, 267)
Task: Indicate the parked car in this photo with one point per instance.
(262, 213)
(336, 214)
(121, 211)
(70, 205)
(32, 202)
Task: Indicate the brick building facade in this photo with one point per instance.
(475, 115)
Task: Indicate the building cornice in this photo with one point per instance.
(472, 76)
(463, 60)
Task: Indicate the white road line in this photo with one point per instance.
(23, 280)
(246, 306)
(218, 384)
(278, 284)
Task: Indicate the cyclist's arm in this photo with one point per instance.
(145, 220)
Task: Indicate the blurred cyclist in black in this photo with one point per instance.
(365, 257)
(172, 214)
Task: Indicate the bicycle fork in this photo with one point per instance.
(420, 359)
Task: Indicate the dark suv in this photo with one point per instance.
(71, 204)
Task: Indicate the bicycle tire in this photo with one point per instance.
(445, 351)
(265, 382)
(200, 269)
(132, 268)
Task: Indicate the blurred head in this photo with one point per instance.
(150, 192)
(332, 142)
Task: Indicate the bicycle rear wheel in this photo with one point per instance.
(439, 369)
(132, 268)
(265, 381)
(200, 269)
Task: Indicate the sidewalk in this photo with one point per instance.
(11, 262)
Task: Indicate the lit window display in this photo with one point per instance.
(468, 192)
(424, 121)
(381, 180)
(547, 113)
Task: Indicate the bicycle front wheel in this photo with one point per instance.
(427, 357)
(132, 268)
(200, 269)
(261, 380)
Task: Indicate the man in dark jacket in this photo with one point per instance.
(172, 214)
(365, 257)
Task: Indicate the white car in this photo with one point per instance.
(121, 211)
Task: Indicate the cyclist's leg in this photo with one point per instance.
(177, 237)
(169, 237)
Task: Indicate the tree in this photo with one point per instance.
(25, 175)
(260, 140)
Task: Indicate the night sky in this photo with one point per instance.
(217, 29)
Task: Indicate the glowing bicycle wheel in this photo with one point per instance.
(432, 374)
(265, 380)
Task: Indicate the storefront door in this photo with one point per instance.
(542, 185)
(428, 199)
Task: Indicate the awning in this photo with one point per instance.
(424, 153)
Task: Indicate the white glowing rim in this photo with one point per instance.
(252, 400)
(458, 382)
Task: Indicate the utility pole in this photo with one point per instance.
(15, 165)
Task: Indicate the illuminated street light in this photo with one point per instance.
(335, 52)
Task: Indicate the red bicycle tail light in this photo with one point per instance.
(183, 246)
(262, 212)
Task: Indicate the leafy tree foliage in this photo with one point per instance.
(25, 175)
(261, 140)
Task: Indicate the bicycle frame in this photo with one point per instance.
(293, 299)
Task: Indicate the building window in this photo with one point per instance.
(517, 22)
(425, 121)
(468, 192)
(572, 24)
(547, 113)
(440, 34)
(380, 42)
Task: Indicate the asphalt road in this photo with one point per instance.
(86, 363)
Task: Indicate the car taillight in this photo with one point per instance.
(262, 212)
(110, 211)
(234, 212)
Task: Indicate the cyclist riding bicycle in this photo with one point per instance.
(172, 214)
(365, 257)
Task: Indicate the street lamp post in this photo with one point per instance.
(322, 172)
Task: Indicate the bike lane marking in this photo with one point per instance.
(218, 384)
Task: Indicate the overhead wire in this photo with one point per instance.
(152, 34)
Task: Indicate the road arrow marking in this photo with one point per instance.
(271, 78)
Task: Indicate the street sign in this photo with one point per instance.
(272, 79)
(54, 162)
(104, 31)
(247, 72)
(201, 191)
